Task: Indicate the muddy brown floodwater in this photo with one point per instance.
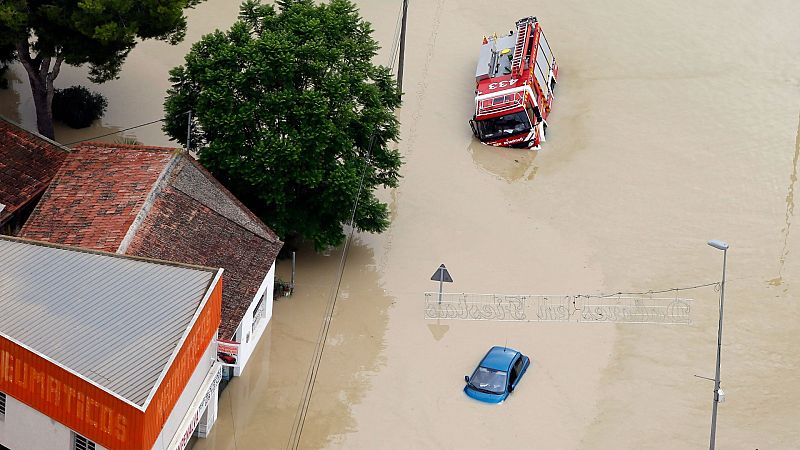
(674, 123)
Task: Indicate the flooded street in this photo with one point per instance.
(674, 123)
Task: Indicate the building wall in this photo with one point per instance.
(247, 333)
(184, 401)
(191, 353)
(94, 412)
(71, 400)
(24, 428)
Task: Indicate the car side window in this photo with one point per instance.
(514, 372)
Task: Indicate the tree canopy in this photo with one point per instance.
(43, 34)
(288, 108)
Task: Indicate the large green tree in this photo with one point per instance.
(288, 109)
(44, 34)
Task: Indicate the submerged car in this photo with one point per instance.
(496, 375)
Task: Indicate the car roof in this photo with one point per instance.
(499, 358)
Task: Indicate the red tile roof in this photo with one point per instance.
(96, 195)
(28, 162)
(157, 203)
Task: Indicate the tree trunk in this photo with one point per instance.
(41, 79)
(44, 114)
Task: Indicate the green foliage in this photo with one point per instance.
(6, 56)
(285, 106)
(44, 34)
(77, 106)
(95, 32)
(127, 140)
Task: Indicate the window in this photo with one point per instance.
(488, 380)
(2, 405)
(81, 443)
(515, 371)
(259, 312)
(503, 126)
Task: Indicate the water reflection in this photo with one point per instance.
(505, 163)
(97, 132)
(257, 410)
(9, 98)
(438, 330)
(777, 281)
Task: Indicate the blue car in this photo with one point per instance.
(497, 375)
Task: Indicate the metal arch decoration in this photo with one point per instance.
(558, 308)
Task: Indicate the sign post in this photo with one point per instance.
(442, 276)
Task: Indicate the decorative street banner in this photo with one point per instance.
(228, 352)
(558, 308)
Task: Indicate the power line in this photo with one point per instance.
(300, 417)
(319, 349)
(124, 129)
(650, 292)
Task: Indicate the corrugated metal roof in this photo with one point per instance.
(113, 319)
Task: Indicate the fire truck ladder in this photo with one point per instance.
(519, 48)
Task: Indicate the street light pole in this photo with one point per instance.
(719, 245)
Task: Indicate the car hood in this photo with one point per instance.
(483, 396)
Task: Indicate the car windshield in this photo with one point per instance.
(488, 380)
(498, 127)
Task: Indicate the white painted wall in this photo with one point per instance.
(185, 400)
(25, 428)
(246, 333)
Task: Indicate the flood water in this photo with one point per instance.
(674, 123)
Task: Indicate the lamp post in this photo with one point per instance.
(719, 245)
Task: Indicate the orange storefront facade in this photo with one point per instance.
(95, 413)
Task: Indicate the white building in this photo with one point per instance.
(160, 203)
(99, 350)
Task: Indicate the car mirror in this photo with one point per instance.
(466, 378)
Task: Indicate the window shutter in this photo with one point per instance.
(81, 443)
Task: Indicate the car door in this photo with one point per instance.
(516, 368)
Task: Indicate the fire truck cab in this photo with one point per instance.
(515, 79)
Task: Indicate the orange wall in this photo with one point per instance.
(204, 330)
(93, 412)
(67, 398)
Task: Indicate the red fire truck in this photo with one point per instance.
(515, 79)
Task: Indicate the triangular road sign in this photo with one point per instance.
(442, 274)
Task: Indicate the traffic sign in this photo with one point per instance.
(442, 275)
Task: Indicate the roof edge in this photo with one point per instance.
(225, 191)
(115, 146)
(102, 253)
(67, 369)
(147, 205)
(36, 133)
(189, 328)
(262, 291)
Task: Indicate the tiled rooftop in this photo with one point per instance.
(96, 195)
(27, 164)
(157, 203)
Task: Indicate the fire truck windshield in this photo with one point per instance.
(498, 127)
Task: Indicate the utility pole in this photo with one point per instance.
(402, 47)
(189, 132)
(719, 245)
